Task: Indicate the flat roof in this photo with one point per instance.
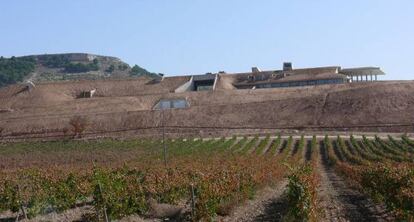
(204, 77)
(360, 71)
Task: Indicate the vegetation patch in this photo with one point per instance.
(14, 69)
(302, 194)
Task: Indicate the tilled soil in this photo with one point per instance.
(75, 214)
(340, 202)
(268, 205)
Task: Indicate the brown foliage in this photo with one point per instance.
(78, 125)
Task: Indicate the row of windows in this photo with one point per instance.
(300, 83)
(205, 85)
(204, 88)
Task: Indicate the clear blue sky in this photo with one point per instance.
(198, 36)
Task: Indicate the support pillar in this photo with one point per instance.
(375, 77)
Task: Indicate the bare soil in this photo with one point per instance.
(268, 205)
(124, 107)
(340, 202)
(75, 214)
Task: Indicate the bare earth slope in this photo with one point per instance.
(127, 105)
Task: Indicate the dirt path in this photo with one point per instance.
(342, 203)
(268, 205)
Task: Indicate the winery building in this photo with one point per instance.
(286, 77)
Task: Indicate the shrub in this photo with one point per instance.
(80, 67)
(139, 71)
(393, 186)
(122, 67)
(119, 193)
(329, 151)
(301, 194)
(78, 125)
(110, 69)
(15, 69)
(55, 61)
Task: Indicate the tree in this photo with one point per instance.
(15, 69)
(123, 67)
(55, 61)
(78, 125)
(80, 67)
(110, 69)
(139, 71)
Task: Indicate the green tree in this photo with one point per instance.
(123, 67)
(139, 71)
(14, 70)
(110, 69)
(81, 67)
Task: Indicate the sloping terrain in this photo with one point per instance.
(55, 67)
(127, 104)
(66, 67)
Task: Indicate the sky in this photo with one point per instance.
(178, 37)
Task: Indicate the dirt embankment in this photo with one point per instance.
(126, 105)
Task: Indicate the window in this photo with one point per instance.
(204, 88)
(179, 103)
(164, 104)
(294, 84)
(264, 86)
(171, 104)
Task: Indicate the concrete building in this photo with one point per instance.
(287, 77)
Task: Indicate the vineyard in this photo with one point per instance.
(365, 178)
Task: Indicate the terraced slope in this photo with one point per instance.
(125, 107)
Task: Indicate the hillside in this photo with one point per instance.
(15, 69)
(126, 106)
(63, 67)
